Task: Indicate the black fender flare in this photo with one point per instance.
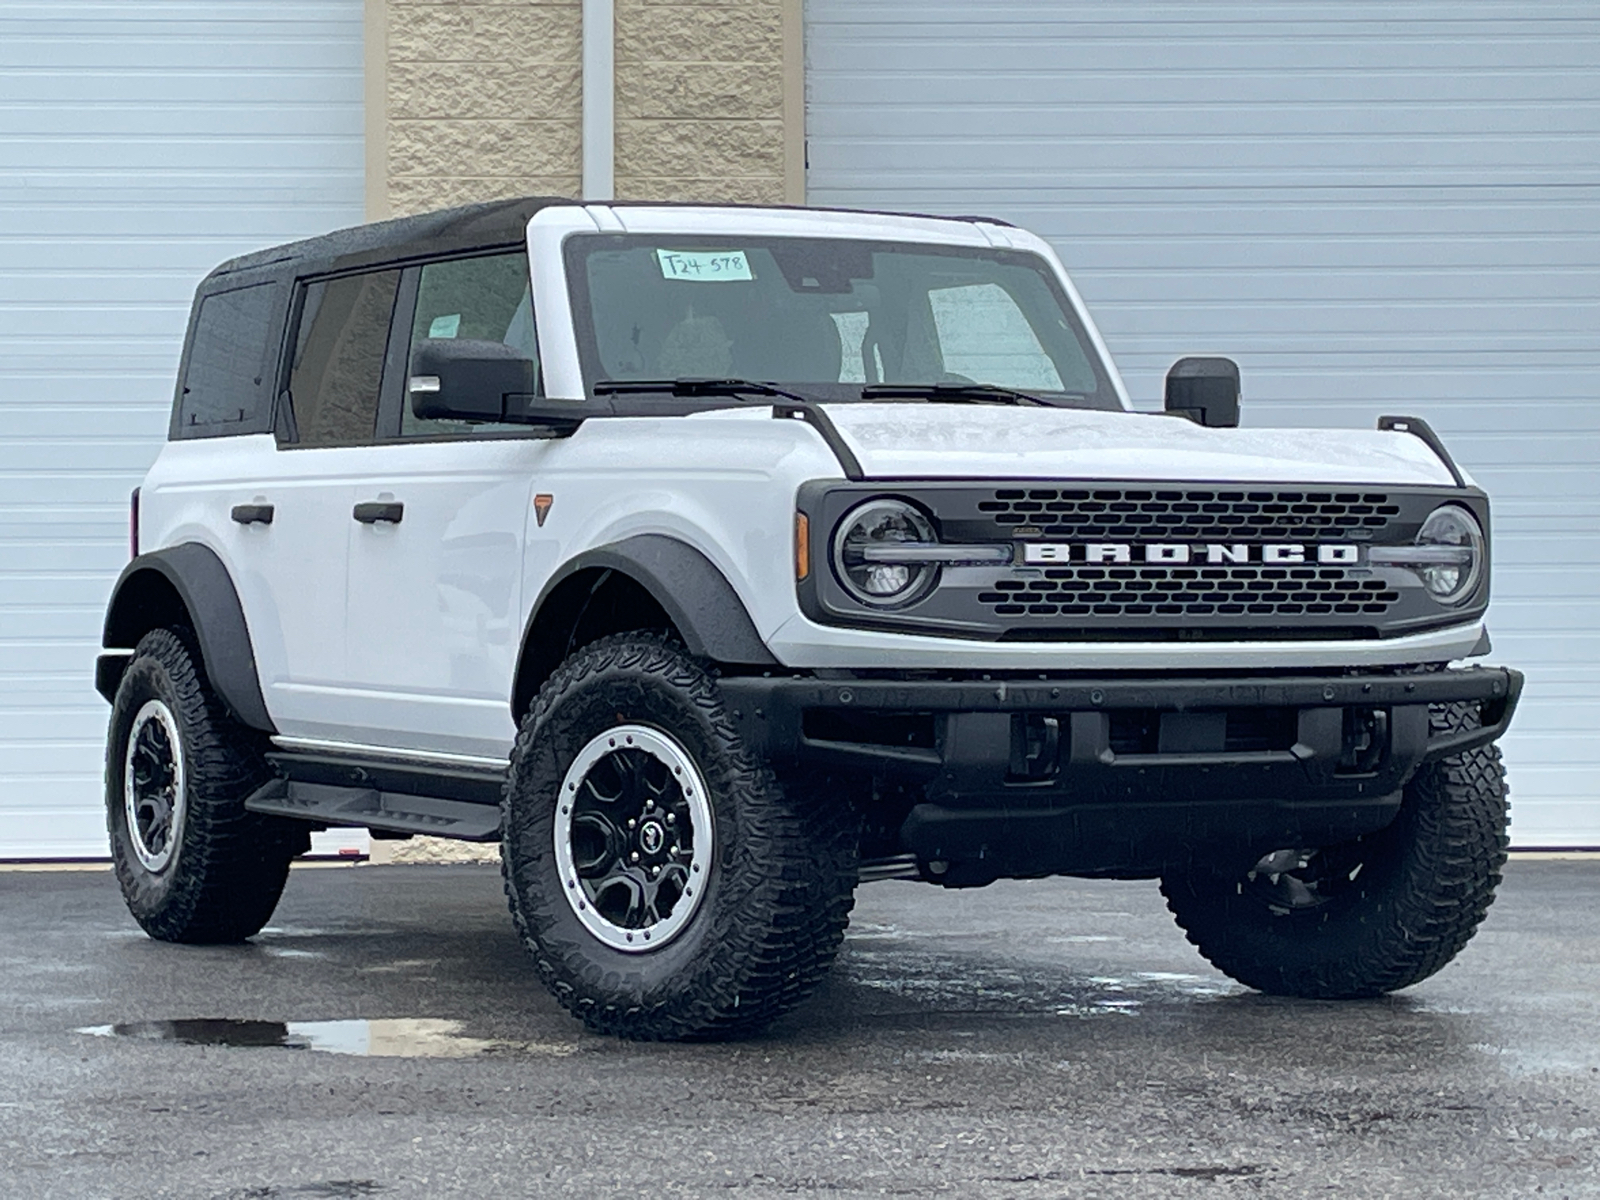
(688, 586)
(206, 590)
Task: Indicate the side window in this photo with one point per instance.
(485, 298)
(337, 369)
(226, 388)
(984, 336)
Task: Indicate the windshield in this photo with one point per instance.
(827, 317)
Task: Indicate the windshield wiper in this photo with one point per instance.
(958, 393)
(806, 408)
(689, 386)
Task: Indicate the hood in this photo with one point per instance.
(932, 441)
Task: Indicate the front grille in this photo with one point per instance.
(1186, 514)
(1154, 591)
(1154, 561)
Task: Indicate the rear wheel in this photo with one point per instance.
(1367, 916)
(665, 883)
(193, 865)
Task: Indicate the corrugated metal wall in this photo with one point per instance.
(140, 144)
(1374, 207)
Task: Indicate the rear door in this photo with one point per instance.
(433, 620)
(293, 564)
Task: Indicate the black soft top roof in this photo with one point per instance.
(469, 227)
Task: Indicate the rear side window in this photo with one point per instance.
(227, 385)
(337, 368)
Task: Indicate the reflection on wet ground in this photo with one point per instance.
(918, 970)
(396, 1037)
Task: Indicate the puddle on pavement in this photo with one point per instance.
(403, 1037)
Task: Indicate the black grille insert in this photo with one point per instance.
(1159, 591)
(1187, 514)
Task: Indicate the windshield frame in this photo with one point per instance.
(577, 245)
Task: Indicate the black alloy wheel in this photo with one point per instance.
(666, 885)
(634, 834)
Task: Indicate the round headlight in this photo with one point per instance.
(1455, 576)
(882, 582)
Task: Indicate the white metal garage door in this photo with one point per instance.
(141, 142)
(1375, 208)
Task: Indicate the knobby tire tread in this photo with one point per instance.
(794, 864)
(232, 864)
(1440, 862)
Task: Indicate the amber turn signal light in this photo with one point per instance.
(802, 546)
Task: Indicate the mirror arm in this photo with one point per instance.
(522, 408)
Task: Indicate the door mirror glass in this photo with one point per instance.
(1206, 390)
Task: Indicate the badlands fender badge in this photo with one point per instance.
(541, 507)
(1181, 553)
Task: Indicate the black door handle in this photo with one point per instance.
(253, 514)
(370, 512)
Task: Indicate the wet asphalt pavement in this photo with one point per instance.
(1047, 1039)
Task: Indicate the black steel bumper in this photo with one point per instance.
(1124, 776)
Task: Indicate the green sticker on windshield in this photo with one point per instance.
(704, 266)
(445, 327)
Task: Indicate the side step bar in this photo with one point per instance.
(394, 811)
(399, 797)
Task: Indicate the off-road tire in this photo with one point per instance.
(780, 887)
(1424, 885)
(229, 865)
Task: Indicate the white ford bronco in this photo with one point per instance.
(714, 560)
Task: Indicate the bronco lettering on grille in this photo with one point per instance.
(1173, 553)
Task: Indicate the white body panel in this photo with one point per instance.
(290, 575)
(804, 643)
(433, 620)
(942, 441)
(433, 632)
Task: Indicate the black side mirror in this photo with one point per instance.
(1206, 390)
(463, 379)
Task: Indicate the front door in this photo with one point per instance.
(432, 624)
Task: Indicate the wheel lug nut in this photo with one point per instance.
(630, 822)
(649, 805)
(634, 856)
(672, 818)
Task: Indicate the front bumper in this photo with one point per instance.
(1124, 775)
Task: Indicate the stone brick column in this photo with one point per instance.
(476, 99)
(480, 100)
(700, 100)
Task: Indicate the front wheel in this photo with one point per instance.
(666, 885)
(1368, 916)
